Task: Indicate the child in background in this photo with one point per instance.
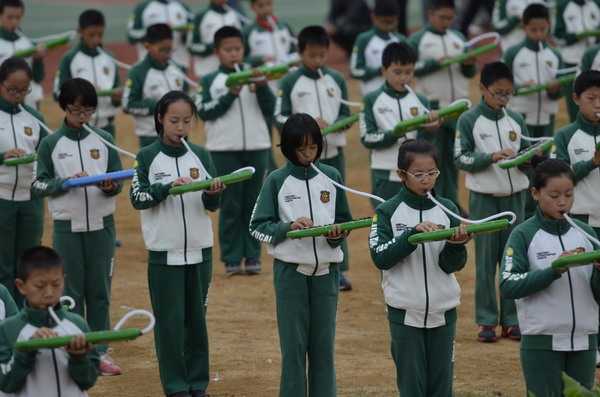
(486, 134)
(365, 63)
(150, 79)
(8, 307)
(306, 271)
(89, 61)
(590, 59)
(506, 19)
(237, 135)
(68, 371)
(179, 256)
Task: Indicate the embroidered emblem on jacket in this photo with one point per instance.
(414, 111)
(194, 173)
(95, 154)
(325, 196)
(512, 135)
(28, 131)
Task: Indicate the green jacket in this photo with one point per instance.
(8, 307)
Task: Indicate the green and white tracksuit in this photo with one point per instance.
(306, 275)
(8, 307)
(178, 234)
(365, 63)
(10, 42)
(506, 20)
(590, 59)
(98, 68)
(237, 135)
(420, 292)
(558, 313)
(84, 226)
(44, 372)
(200, 42)
(480, 132)
(147, 82)
(382, 110)
(271, 45)
(21, 215)
(174, 13)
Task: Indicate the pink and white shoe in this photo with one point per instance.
(108, 366)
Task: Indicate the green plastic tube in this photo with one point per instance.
(26, 159)
(111, 92)
(203, 185)
(326, 229)
(245, 76)
(50, 44)
(576, 260)
(412, 124)
(470, 54)
(342, 124)
(526, 156)
(95, 338)
(534, 89)
(183, 28)
(444, 234)
(588, 33)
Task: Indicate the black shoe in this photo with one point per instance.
(118, 243)
(252, 266)
(179, 394)
(232, 268)
(345, 284)
(199, 393)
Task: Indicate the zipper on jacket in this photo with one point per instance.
(562, 245)
(320, 110)
(424, 276)
(539, 81)
(183, 213)
(450, 75)
(85, 191)
(59, 393)
(164, 73)
(582, 11)
(502, 148)
(12, 125)
(97, 118)
(243, 123)
(310, 208)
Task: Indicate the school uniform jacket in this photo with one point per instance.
(304, 91)
(556, 312)
(44, 372)
(506, 20)
(263, 41)
(590, 59)
(63, 154)
(416, 278)
(293, 192)
(572, 17)
(176, 229)
(480, 132)
(235, 122)
(8, 307)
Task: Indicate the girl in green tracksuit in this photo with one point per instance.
(557, 308)
(178, 235)
(306, 274)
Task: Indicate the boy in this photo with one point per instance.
(205, 24)
(237, 135)
(151, 12)
(71, 370)
(365, 62)
(442, 86)
(89, 61)
(150, 79)
(12, 40)
(486, 134)
(506, 19)
(318, 91)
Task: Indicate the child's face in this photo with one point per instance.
(314, 56)
(16, 87)
(498, 94)
(388, 23)
(160, 51)
(556, 198)
(10, 19)
(399, 75)
(420, 177)
(77, 115)
(262, 8)
(307, 153)
(177, 123)
(92, 36)
(441, 18)
(537, 29)
(43, 288)
(589, 104)
(230, 52)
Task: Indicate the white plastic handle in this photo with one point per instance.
(525, 138)
(68, 302)
(484, 36)
(342, 100)
(346, 188)
(511, 214)
(109, 144)
(57, 320)
(40, 122)
(591, 238)
(137, 312)
(120, 64)
(183, 75)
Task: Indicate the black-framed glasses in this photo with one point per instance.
(88, 112)
(17, 91)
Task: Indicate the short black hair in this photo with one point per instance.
(550, 168)
(495, 71)
(226, 32)
(11, 3)
(158, 32)
(295, 132)
(12, 65)
(401, 53)
(313, 35)
(37, 258)
(162, 107)
(587, 79)
(386, 8)
(438, 4)
(91, 18)
(535, 11)
(410, 148)
(77, 89)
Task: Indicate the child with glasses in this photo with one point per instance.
(485, 135)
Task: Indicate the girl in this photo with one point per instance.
(420, 290)
(557, 309)
(306, 274)
(178, 235)
(21, 216)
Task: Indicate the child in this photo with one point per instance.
(179, 258)
(442, 86)
(12, 39)
(365, 63)
(532, 61)
(204, 27)
(486, 134)
(237, 135)
(175, 13)
(68, 371)
(422, 320)
(506, 19)
(8, 307)
(558, 312)
(84, 226)
(89, 61)
(305, 271)
(21, 215)
(150, 79)
(590, 59)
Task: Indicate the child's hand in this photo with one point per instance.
(107, 186)
(184, 180)
(595, 159)
(117, 95)
(40, 51)
(78, 346)
(322, 123)
(235, 89)
(301, 223)
(427, 227)
(502, 155)
(568, 253)
(79, 175)
(217, 186)
(553, 87)
(44, 333)
(12, 153)
(460, 235)
(336, 233)
(434, 121)
(528, 83)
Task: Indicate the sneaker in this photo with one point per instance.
(252, 266)
(232, 268)
(345, 284)
(199, 393)
(487, 333)
(108, 366)
(179, 394)
(512, 333)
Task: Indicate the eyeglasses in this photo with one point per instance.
(420, 176)
(81, 112)
(501, 95)
(17, 91)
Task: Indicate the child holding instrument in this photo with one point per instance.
(557, 307)
(179, 261)
(68, 371)
(506, 20)
(422, 320)
(84, 225)
(306, 271)
(487, 134)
